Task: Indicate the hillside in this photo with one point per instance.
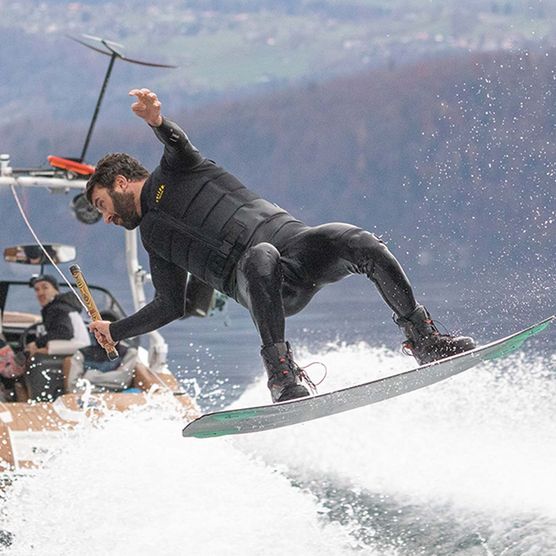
(234, 47)
(452, 159)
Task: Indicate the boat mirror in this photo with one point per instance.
(33, 254)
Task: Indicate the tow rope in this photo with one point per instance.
(43, 249)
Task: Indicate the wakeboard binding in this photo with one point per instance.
(425, 342)
(284, 375)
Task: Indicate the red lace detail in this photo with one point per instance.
(407, 348)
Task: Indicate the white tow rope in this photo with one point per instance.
(26, 220)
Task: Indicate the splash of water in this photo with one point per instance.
(472, 456)
(479, 447)
(135, 486)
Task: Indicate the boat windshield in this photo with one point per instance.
(18, 297)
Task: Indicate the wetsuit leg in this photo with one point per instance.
(325, 254)
(259, 289)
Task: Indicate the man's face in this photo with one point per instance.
(117, 205)
(45, 292)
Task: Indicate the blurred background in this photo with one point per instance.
(430, 123)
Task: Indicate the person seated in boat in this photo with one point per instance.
(62, 331)
(12, 366)
(92, 364)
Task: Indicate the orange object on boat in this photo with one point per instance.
(71, 165)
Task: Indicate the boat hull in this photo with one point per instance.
(31, 432)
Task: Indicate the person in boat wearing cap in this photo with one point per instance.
(196, 217)
(62, 330)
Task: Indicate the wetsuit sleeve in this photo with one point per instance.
(168, 304)
(178, 150)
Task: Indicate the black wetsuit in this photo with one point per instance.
(198, 218)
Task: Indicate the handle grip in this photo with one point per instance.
(91, 305)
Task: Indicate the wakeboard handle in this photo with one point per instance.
(81, 283)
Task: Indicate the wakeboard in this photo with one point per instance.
(265, 417)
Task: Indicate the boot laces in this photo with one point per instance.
(407, 348)
(304, 376)
(435, 329)
(445, 331)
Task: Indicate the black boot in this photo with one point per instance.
(284, 375)
(425, 342)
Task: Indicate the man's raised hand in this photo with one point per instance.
(147, 106)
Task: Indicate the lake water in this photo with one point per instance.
(465, 467)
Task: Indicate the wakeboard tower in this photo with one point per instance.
(38, 412)
(266, 417)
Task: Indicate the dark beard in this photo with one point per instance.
(124, 207)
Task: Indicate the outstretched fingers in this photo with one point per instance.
(147, 105)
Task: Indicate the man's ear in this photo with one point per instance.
(121, 182)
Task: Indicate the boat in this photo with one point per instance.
(39, 413)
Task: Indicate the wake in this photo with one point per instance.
(470, 458)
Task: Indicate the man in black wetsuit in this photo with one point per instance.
(196, 217)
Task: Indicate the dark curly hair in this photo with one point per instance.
(112, 165)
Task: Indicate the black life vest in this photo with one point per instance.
(203, 219)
